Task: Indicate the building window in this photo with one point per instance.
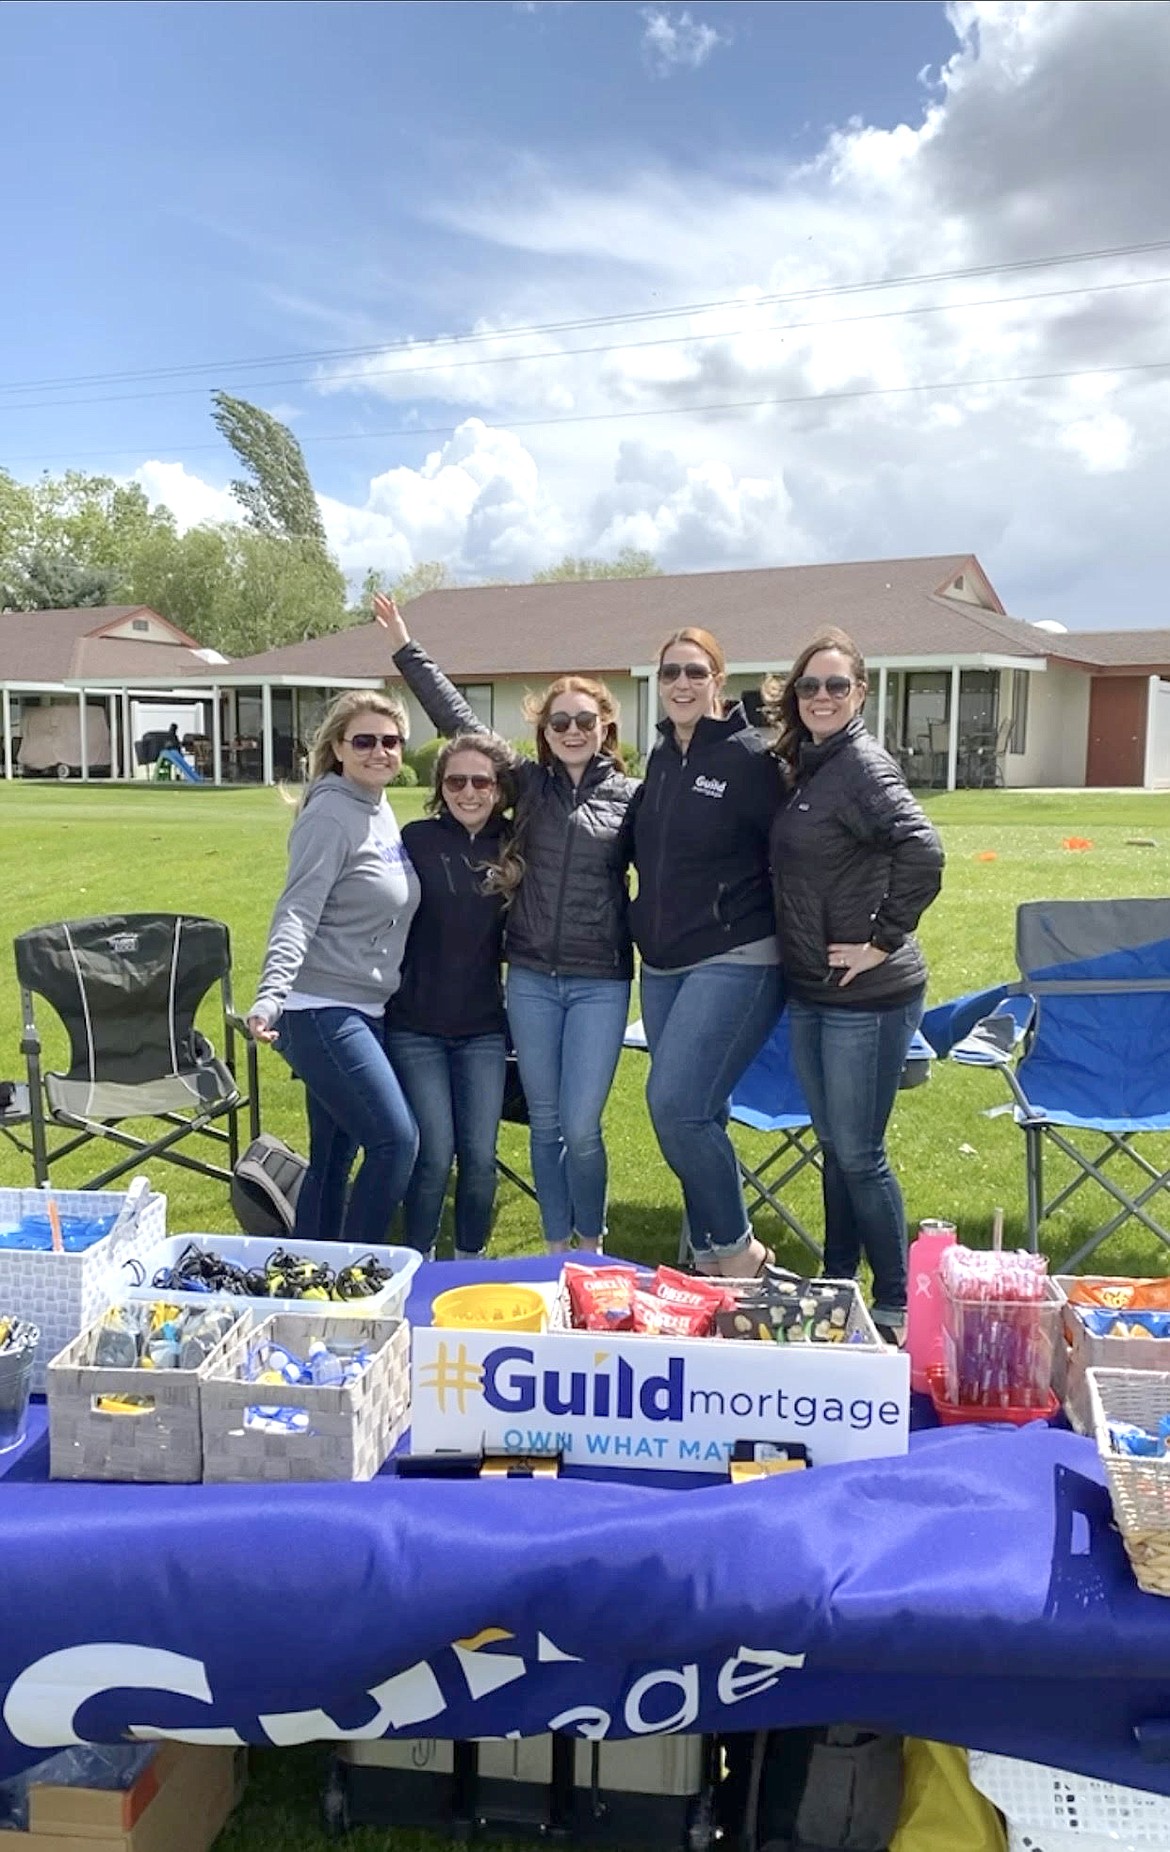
(478, 695)
(1018, 741)
(140, 623)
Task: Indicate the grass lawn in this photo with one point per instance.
(69, 851)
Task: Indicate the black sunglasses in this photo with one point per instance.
(835, 686)
(459, 781)
(560, 723)
(694, 671)
(365, 742)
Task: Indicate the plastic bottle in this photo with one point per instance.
(924, 1310)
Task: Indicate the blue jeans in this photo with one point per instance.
(353, 1099)
(454, 1086)
(567, 1033)
(704, 1028)
(849, 1063)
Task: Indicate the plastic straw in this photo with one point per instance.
(55, 1227)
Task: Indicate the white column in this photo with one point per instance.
(216, 738)
(112, 724)
(953, 731)
(883, 674)
(128, 767)
(266, 732)
(6, 700)
(83, 716)
(1150, 754)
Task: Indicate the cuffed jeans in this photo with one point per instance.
(849, 1063)
(353, 1099)
(704, 1028)
(454, 1086)
(567, 1033)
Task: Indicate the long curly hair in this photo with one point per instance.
(537, 709)
(781, 709)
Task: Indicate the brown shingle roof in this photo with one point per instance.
(1115, 649)
(892, 607)
(63, 646)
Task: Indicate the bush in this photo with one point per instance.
(635, 765)
(525, 748)
(405, 778)
(422, 759)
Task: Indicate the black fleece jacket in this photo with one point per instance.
(855, 860)
(700, 843)
(451, 968)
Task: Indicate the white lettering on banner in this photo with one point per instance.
(710, 787)
(44, 1699)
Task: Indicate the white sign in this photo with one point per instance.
(664, 1404)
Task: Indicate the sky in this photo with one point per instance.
(737, 284)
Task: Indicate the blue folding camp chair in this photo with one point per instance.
(1083, 1042)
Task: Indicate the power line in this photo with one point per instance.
(666, 411)
(816, 293)
(612, 347)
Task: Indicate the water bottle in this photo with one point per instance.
(924, 1310)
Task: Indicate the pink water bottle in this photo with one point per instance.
(924, 1310)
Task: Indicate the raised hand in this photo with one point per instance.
(387, 614)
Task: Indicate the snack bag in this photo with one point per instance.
(600, 1298)
(659, 1318)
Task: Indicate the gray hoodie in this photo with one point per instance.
(340, 926)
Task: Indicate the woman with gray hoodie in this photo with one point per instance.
(333, 962)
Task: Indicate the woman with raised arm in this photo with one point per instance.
(856, 864)
(445, 1027)
(704, 924)
(566, 932)
(333, 960)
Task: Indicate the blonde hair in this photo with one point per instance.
(323, 757)
(537, 709)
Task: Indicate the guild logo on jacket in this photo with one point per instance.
(709, 787)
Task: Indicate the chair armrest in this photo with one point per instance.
(239, 1024)
(995, 1039)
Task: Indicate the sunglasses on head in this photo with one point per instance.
(835, 686)
(366, 742)
(694, 671)
(459, 781)
(560, 723)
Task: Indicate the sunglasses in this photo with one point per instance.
(694, 671)
(835, 686)
(366, 742)
(459, 781)
(560, 723)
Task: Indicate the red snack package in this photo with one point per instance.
(684, 1289)
(661, 1319)
(600, 1298)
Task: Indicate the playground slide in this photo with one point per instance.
(182, 766)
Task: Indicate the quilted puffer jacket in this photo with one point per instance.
(570, 912)
(855, 860)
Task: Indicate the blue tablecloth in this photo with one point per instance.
(973, 1591)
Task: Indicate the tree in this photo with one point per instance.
(631, 563)
(51, 582)
(240, 591)
(71, 540)
(279, 498)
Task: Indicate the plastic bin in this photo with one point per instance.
(253, 1251)
(16, 1373)
(982, 1337)
(1053, 1810)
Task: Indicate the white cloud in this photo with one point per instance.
(674, 41)
(191, 500)
(1043, 134)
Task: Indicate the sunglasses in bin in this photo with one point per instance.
(366, 742)
(560, 723)
(459, 781)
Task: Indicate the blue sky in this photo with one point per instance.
(192, 186)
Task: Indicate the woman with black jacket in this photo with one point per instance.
(566, 933)
(445, 1026)
(703, 922)
(856, 863)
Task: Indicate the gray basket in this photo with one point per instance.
(354, 1429)
(162, 1445)
(1088, 1352)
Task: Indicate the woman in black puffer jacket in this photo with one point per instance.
(855, 864)
(566, 937)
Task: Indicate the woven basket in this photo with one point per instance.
(1053, 1810)
(353, 1429)
(1140, 1488)
(1087, 1352)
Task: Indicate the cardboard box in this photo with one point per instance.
(180, 1803)
(626, 1400)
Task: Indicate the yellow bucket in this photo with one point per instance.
(491, 1308)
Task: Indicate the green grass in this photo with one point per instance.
(70, 851)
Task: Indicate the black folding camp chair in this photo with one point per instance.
(515, 1112)
(127, 988)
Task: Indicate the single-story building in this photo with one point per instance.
(960, 692)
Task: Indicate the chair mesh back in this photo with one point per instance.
(127, 987)
(1060, 932)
